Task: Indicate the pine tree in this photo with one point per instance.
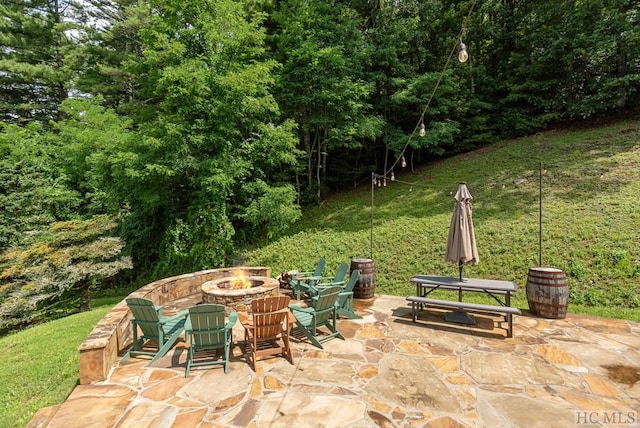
(35, 37)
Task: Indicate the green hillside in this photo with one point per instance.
(590, 223)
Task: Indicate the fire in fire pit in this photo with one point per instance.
(239, 281)
(236, 292)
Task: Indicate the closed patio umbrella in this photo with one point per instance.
(461, 244)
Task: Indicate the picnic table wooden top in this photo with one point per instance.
(495, 285)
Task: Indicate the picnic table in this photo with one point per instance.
(499, 290)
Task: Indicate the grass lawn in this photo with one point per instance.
(590, 221)
(40, 365)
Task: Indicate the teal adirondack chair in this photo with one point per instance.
(323, 313)
(207, 331)
(334, 281)
(345, 298)
(301, 281)
(154, 326)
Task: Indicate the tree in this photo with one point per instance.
(210, 147)
(35, 38)
(321, 85)
(552, 61)
(604, 64)
(33, 192)
(107, 36)
(57, 271)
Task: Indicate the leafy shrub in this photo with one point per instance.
(56, 274)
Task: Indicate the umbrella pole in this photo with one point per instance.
(459, 316)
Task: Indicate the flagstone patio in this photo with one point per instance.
(389, 372)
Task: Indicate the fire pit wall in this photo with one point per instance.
(220, 291)
(104, 346)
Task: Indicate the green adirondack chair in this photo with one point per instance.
(301, 281)
(334, 281)
(345, 298)
(207, 331)
(154, 326)
(323, 313)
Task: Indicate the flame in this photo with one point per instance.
(239, 280)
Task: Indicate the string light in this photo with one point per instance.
(463, 56)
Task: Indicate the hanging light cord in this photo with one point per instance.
(375, 178)
(435, 88)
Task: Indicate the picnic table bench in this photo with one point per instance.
(498, 290)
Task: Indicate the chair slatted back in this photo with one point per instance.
(147, 316)
(341, 272)
(269, 314)
(322, 263)
(270, 324)
(353, 279)
(324, 304)
(270, 303)
(207, 324)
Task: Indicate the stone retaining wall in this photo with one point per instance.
(105, 345)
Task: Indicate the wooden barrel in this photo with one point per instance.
(547, 292)
(365, 288)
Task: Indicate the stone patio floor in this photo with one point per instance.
(389, 372)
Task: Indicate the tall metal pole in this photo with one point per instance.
(373, 185)
(540, 222)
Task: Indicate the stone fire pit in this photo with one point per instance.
(222, 291)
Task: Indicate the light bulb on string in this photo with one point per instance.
(423, 131)
(463, 55)
(403, 162)
(393, 177)
(385, 182)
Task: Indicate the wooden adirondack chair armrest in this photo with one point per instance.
(345, 293)
(233, 317)
(290, 320)
(243, 317)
